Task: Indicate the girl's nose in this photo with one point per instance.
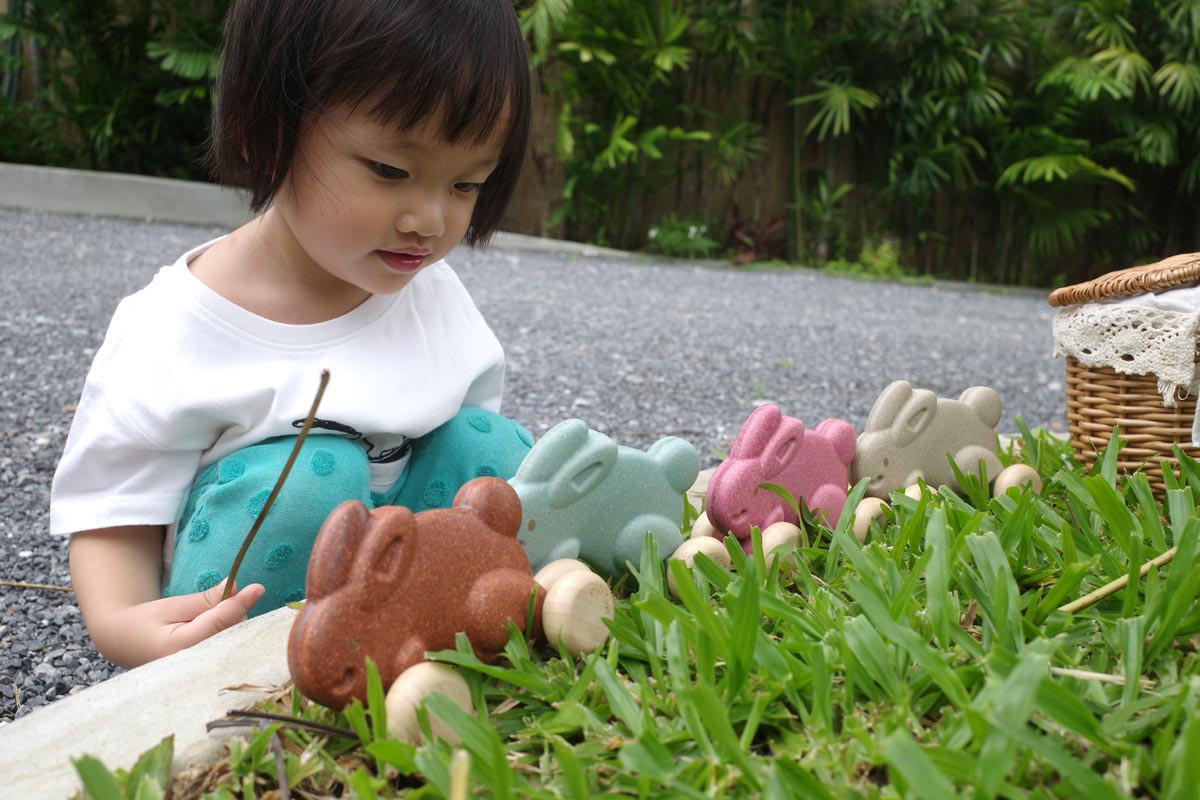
(424, 219)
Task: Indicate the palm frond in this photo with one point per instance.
(1179, 82)
(1055, 232)
(1128, 69)
(1058, 167)
(190, 64)
(836, 104)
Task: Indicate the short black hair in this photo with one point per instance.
(461, 62)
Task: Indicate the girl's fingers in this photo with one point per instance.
(204, 614)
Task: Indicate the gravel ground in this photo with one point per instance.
(638, 348)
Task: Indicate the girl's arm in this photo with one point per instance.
(117, 574)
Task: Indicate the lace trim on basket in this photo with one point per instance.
(1135, 339)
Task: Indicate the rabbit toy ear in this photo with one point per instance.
(494, 502)
(554, 449)
(888, 405)
(333, 552)
(916, 416)
(385, 551)
(756, 432)
(585, 470)
(783, 448)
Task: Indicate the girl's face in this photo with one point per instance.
(366, 206)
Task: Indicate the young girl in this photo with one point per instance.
(378, 134)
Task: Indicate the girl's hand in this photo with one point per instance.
(138, 634)
(173, 623)
(117, 577)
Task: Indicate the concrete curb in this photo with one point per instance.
(118, 720)
(109, 194)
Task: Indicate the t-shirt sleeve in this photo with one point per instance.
(114, 469)
(487, 390)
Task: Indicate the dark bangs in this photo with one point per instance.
(461, 63)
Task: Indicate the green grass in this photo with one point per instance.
(932, 662)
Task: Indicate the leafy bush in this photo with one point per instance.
(1018, 143)
(877, 260)
(681, 238)
(120, 85)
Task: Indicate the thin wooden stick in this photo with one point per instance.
(244, 717)
(280, 767)
(47, 586)
(1099, 677)
(1112, 587)
(287, 467)
(460, 775)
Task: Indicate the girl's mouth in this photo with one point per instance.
(402, 262)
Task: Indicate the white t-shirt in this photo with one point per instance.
(185, 377)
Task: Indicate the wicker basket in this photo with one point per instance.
(1100, 398)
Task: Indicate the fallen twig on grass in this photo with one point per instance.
(1112, 587)
(1099, 677)
(244, 718)
(50, 587)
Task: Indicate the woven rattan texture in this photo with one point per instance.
(1166, 274)
(1099, 398)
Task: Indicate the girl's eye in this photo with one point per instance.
(467, 188)
(386, 171)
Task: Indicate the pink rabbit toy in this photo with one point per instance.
(813, 465)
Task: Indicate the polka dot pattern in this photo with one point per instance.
(322, 463)
(480, 423)
(197, 530)
(436, 494)
(230, 470)
(279, 556)
(254, 505)
(208, 579)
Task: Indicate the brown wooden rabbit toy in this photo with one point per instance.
(390, 585)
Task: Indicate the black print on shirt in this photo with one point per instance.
(388, 456)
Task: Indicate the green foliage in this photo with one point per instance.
(615, 69)
(1011, 142)
(937, 660)
(681, 238)
(150, 778)
(879, 260)
(119, 85)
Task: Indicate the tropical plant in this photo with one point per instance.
(612, 67)
(100, 100)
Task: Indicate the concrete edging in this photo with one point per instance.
(118, 720)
